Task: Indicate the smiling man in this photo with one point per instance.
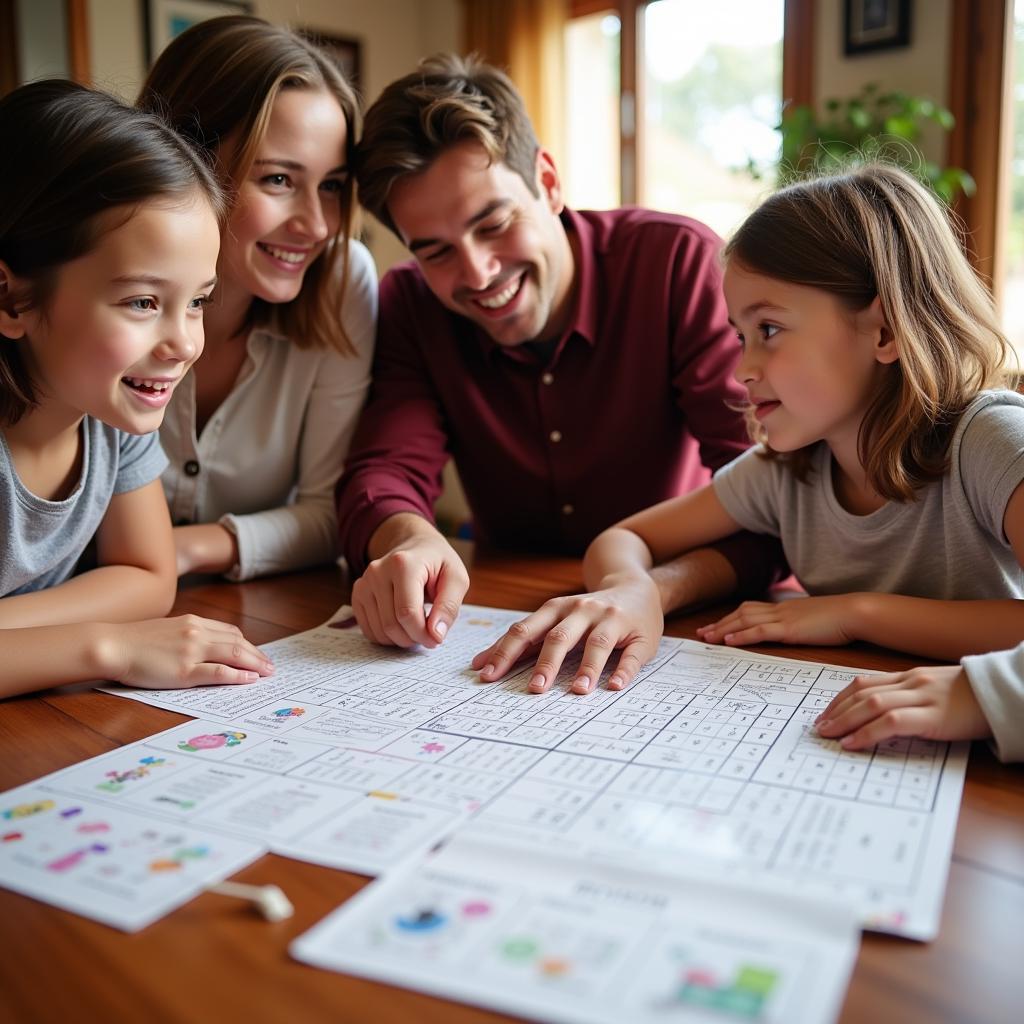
(576, 365)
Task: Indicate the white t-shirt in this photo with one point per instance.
(269, 457)
(947, 545)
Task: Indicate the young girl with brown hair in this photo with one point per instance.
(889, 461)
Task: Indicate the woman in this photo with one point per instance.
(257, 434)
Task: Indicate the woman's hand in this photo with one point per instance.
(175, 653)
(205, 547)
(626, 615)
(934, 703)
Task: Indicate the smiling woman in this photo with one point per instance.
(258, 432)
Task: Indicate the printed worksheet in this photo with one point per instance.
(124, 869)
(357, 756)
(579, 943)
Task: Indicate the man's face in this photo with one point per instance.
(489, 249)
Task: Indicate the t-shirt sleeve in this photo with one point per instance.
(997, 680)
(140, 461)
(748, 488)
(992, 461)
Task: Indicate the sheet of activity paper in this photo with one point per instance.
(124, 869)
(356, 756)
(579, 943)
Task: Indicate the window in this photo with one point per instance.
(670, 102)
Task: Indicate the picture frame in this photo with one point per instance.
(165, 19)
(870, 25)
(346, 51)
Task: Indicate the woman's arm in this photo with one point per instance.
(305, 531)
(625, 607)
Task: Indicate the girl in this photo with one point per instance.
(257, 433)
(888, 469)
(108, 250)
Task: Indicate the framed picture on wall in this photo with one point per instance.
(165, 19)
(875, 25)
(345, 51)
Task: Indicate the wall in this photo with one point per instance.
(394, 35)
(921, 68)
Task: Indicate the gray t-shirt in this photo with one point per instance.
(43, 540)
(947, 545)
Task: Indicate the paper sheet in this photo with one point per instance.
(122, 868)
(356, 756)
(558, 940)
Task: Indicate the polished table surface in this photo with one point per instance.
(214, 960)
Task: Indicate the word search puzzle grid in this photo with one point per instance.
(353, 755)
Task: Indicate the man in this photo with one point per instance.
(577, 366)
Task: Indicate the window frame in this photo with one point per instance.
(797, 74)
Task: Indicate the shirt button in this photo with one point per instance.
(556, 436)
(547, 378)
(567, 510)
(191, 468)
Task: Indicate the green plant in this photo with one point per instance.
(873, 125)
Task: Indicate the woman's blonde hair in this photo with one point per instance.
(217, 82)
(877, 231)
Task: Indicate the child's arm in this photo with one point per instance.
(934, 629)
(135, 578)
(157, 654)
(935, 703)
(52, 637)
(626, 605)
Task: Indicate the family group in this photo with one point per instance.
(199, 374)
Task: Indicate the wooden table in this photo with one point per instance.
(215, 961)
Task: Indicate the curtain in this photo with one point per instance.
(525, 39)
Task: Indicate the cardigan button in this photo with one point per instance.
(191, 468)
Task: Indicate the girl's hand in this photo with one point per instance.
(167, 654)
(935, 703)
(798, 620)
(626, 616)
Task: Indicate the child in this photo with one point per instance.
(257, 433)
(108, 250)
(983, 696)
(889, 471)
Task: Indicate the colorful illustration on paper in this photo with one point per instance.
(116, 780)
(177, 860)
(741, 993)
(75, 857)
(211, 741)
(289, 712)
(27, 810)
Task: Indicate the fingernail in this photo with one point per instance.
(487, 670)
(441, 628)
(581, 684)
(537, 682)
(616, 683)
(251, 677)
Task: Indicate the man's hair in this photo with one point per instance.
(217, 83)
(448, 100)
(877, 231)
(79, 154)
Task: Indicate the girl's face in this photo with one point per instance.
(810, 366)
(124, 322)
(289, 205)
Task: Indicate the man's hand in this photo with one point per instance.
(934, 703)
(418, 566)
(625, 615)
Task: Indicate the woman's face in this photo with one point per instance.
(288, 206)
